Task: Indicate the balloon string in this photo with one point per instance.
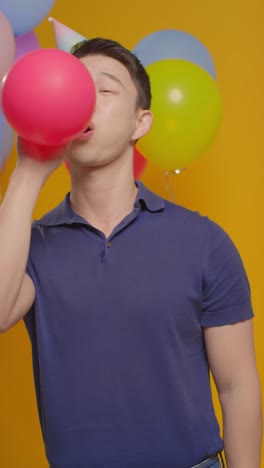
(170, 184)
(173, 188)
(167, 183)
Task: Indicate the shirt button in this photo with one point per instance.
(109, 244)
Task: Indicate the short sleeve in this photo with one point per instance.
(29, 317)
(29, 267)
(33, 250)
(226, 289)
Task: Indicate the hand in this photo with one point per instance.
(40, 159)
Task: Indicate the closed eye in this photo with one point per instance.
(106, 91)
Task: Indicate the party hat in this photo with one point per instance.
(65, 37)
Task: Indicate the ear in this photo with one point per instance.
(143, 124)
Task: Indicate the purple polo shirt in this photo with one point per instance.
(120, 366)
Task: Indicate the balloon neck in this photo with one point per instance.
(175, 171)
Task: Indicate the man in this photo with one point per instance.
(128, 300)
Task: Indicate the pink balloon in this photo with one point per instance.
(7, 45)
(48, 97)
(139, 164)
(26, 43)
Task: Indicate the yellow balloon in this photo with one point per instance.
(187, 111)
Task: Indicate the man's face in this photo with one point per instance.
(115, 119)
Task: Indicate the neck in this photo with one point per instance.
(104, 195)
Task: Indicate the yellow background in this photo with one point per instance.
(225, 184)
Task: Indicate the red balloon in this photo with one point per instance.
(139, 164)
(48, 97)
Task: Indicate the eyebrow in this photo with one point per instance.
(113, 77)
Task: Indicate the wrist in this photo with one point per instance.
(26, 177)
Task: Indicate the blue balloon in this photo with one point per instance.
(173, 44)
(6, 139)
(25, 15)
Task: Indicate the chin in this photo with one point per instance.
(81, 158)
(82, 163)
(86, 162)
(83, 155)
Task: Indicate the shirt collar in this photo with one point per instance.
(64, 213)
(148, 199)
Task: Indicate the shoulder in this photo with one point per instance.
(177, 218)
(194, 223)
(40, 227)
(58, 215)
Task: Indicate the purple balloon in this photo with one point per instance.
(26, 43)
(6, 139)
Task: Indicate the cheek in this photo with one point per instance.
(123, 115)
(117, 116)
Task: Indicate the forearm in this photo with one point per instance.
(35, 164)
(15, 230)
(242, 419)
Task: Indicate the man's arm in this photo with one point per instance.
(17, 291)
(231, 355)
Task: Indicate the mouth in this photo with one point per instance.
(88, 129)
(86, 134)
